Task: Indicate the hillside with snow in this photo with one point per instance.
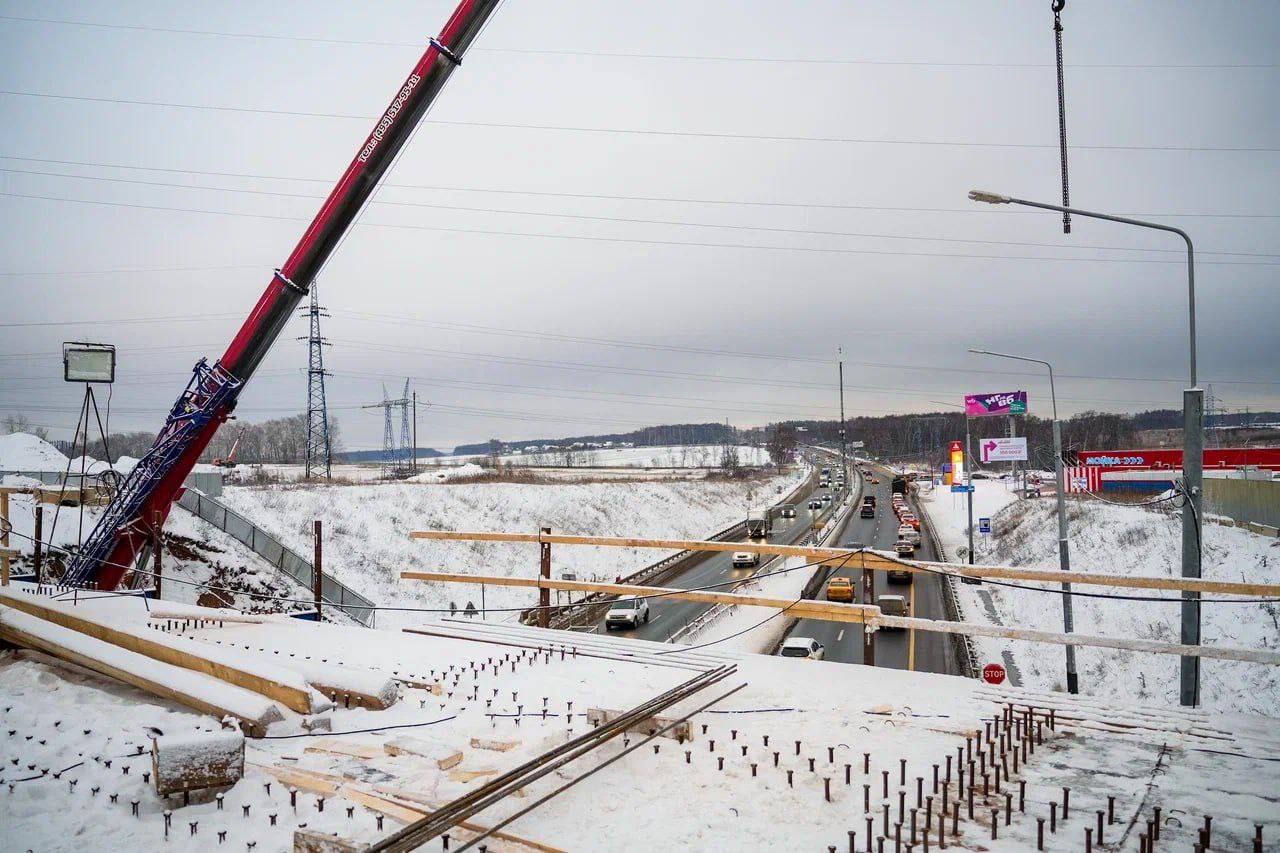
(1128, 539)
(367, 529)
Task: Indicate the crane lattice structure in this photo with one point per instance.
(395, 460)
(319, 449)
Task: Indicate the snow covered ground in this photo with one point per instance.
(1116, 539)
(673, 456)
(367, 529)
(743, 782)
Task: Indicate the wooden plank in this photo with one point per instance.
(830, 610)
(833, 612)
(874, 560)
(293, 698)
(494, 745)
(346, 747)
(17, 637)
(443, 756)
(387, 801)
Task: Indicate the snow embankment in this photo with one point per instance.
(949, 512)
(367, 529)
(1117, 539)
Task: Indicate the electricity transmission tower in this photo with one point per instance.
(407, 450)
(394, 459)
(318, 446)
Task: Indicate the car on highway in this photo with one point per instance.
(903, 548)
(875, 481)
(826, 499)
(627, 613)
(815, 504)
(840, 589)
(802, 647)
(910, 518)
(867, 511)
(745, 559)
(910, 534)
(892, 605)
(788, 511)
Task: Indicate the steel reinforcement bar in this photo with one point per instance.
(433, 825)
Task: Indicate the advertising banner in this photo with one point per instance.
(1003, 449)
(957, 462)
(1004, 403)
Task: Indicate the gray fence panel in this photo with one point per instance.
(1244, 500)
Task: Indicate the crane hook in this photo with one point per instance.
(1057, 5)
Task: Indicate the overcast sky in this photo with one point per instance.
(859, 234)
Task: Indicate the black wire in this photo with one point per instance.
(362, 731)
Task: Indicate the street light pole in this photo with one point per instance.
(1064, 556)
(844, 464)
(1192, 444)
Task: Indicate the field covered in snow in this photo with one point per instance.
(1117, 539)
(663, 456)
(367, 529)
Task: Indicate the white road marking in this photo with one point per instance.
(655, 619)
(840, 636)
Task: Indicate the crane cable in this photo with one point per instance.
(1057, 6)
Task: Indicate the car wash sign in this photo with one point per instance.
(1004, 403)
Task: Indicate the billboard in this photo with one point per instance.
(1004, 403)
(1003, 449)
(957, 463)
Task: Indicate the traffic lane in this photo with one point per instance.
(879, 532)
(844, 640)
(934, 651)
(668, 615)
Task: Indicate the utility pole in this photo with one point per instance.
(844, 460)
(414, 465)
(318, 448)
(968, 483)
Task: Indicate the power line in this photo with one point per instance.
(987, 211)
(638, 221)
(688, 134)
(631, 240)
(658, 56)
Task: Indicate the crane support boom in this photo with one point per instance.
(144, 499)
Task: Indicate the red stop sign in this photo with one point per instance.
(993, 673)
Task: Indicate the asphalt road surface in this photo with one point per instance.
(919, 650)
(668, 615)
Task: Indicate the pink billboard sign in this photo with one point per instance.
(1004, 403)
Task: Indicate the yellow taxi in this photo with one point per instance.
(840, 589)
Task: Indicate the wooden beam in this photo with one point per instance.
(870, 615)
(294, 698)
(18, 637)
(876, 560)
(805, 608)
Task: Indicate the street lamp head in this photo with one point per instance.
(988, 197)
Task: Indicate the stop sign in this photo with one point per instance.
(993, 673)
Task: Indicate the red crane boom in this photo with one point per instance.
(144, 499)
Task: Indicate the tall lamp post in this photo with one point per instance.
(1064, 557)
(1192, 443)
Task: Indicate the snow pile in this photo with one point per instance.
(20, 451)
(1129, 540)
(367, 529)
(466, 471)
(949, 512)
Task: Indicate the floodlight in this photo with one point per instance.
(88, 362)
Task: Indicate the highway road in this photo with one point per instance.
(922, 651)
(669, 615)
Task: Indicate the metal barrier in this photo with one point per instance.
(275, 552)
(966, 653)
